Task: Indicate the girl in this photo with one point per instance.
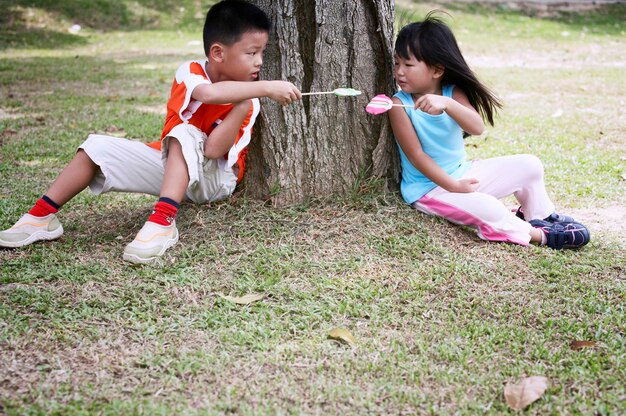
(446, 100)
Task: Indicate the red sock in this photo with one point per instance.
(164, 212)
(44, 206)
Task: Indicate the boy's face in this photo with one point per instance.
(242, 60)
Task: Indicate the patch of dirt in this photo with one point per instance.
(544, 8)
(604, 223)
(548, 56)
(154, 109)
(6, 115)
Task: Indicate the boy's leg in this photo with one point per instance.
(105, 164)
(123, 165)
(188, 174)
(208, 179)
(40, 223)
(176, 177)
(175, 181)
(131, 166)
(76, 176)
(159, 232)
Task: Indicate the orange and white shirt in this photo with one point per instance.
(182, 108)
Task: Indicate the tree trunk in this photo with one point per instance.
(324, 144)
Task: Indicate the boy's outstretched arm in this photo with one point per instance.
(225, 92)
(222, 138)
(409, 142)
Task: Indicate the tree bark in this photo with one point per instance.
(324, 144)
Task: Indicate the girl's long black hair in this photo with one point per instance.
(431, 41)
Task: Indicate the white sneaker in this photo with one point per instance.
(29, 229)
(151, 242)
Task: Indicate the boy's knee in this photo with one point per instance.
(92, 140)
(184, 135)
(96, 144)
(173, 144)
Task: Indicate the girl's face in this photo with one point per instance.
(415, 77)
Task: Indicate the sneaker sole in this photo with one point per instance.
(135, 259)
(33, 238)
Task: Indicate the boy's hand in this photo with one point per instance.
(283, 92)
(464, 186)
(432, 104)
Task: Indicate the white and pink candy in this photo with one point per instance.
(379, 104)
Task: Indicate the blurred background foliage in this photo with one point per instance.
(49, 24)
(52, 23)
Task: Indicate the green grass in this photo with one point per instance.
(44, 24)
(443, 321)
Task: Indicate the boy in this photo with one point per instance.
(210, 113)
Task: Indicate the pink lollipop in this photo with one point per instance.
(381, 104)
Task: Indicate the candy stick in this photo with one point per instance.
(381, 104)
(340, 92)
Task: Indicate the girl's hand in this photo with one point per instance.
(464, 186)
(432, 104)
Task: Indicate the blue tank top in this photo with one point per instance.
(441, 139)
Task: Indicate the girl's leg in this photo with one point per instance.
(537, 236)
(520, 175)
(485, 213)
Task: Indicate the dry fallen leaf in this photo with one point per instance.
(579, 345)
(520, 395)
(243, 300)
(115, 131)
(341, 334)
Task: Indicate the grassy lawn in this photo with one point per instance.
(442, 320)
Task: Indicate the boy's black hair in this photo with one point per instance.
(431, 41)
(227, 20)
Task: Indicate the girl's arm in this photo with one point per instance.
(458, 107)
(412, 148)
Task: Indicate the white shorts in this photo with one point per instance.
(132, 166)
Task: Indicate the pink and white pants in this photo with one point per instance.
(520, 175)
